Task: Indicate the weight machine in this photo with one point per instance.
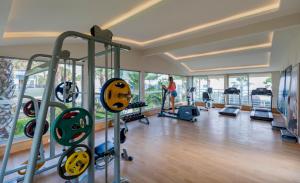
(86, 117)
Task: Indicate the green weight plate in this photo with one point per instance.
(72, 126)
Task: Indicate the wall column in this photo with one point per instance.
(142, 85)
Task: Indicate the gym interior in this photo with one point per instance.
(150, 91)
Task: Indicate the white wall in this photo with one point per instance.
(134, 60)
(286, 48)
(285, 52)
(275, 87)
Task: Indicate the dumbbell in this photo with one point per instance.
(135, 105)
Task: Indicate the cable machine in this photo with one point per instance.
(81, 121)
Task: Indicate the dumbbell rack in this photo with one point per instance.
(136, 115)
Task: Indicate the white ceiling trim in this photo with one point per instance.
(219, 52)
(230, 68)
(255, 12)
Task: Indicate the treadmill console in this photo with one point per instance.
(262, 91)
(232, 90)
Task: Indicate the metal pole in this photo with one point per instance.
(106, 116)
(74, 83)
(40, 122)
(65, 81)
(52, 118)
(13, 128)
(117, 171)
(91, 106)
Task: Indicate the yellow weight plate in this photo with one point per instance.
(114, 94)
(77, 163)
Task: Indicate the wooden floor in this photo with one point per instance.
(214, 149)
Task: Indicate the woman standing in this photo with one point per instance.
(172, 89)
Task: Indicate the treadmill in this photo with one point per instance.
(231, 109)
(261, 113)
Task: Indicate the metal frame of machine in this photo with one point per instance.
(48, 101)
(186, 113)
(229, 109)
(261, 113)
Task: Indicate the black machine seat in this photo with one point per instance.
(192, 89)
(205, 96)
(100, 149)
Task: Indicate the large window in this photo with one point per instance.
(201, 85)
(260, 80)
(181, 88)
(240, 82)
(133, 79)
(36, 86)
(66, 71)
(217, 84)
(153, 91)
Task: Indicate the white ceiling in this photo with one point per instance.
(230, 60)
(62, 15)
(174, 15)
(224, 44)
(165, 17)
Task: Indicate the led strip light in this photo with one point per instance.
(230, 68)
(258, 11)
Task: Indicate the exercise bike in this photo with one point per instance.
(186, 113)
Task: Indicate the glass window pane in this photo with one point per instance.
(201, 85)
(240, 82)
(133, 79)
(153, 91)
(217, 84)
(99, 82)
(260, 80)
(181, 88)
(60, 77)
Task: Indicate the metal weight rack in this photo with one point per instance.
(29, 72)
(47, 101)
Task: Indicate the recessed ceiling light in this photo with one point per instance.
(231, 68)
(130, 13)
(231, 50)
(262, 10)
(225, 68)
(30, 34)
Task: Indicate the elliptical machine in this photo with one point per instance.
(186, 113)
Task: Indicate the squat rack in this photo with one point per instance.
(46, 102)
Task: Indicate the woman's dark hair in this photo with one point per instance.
(170, 78)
